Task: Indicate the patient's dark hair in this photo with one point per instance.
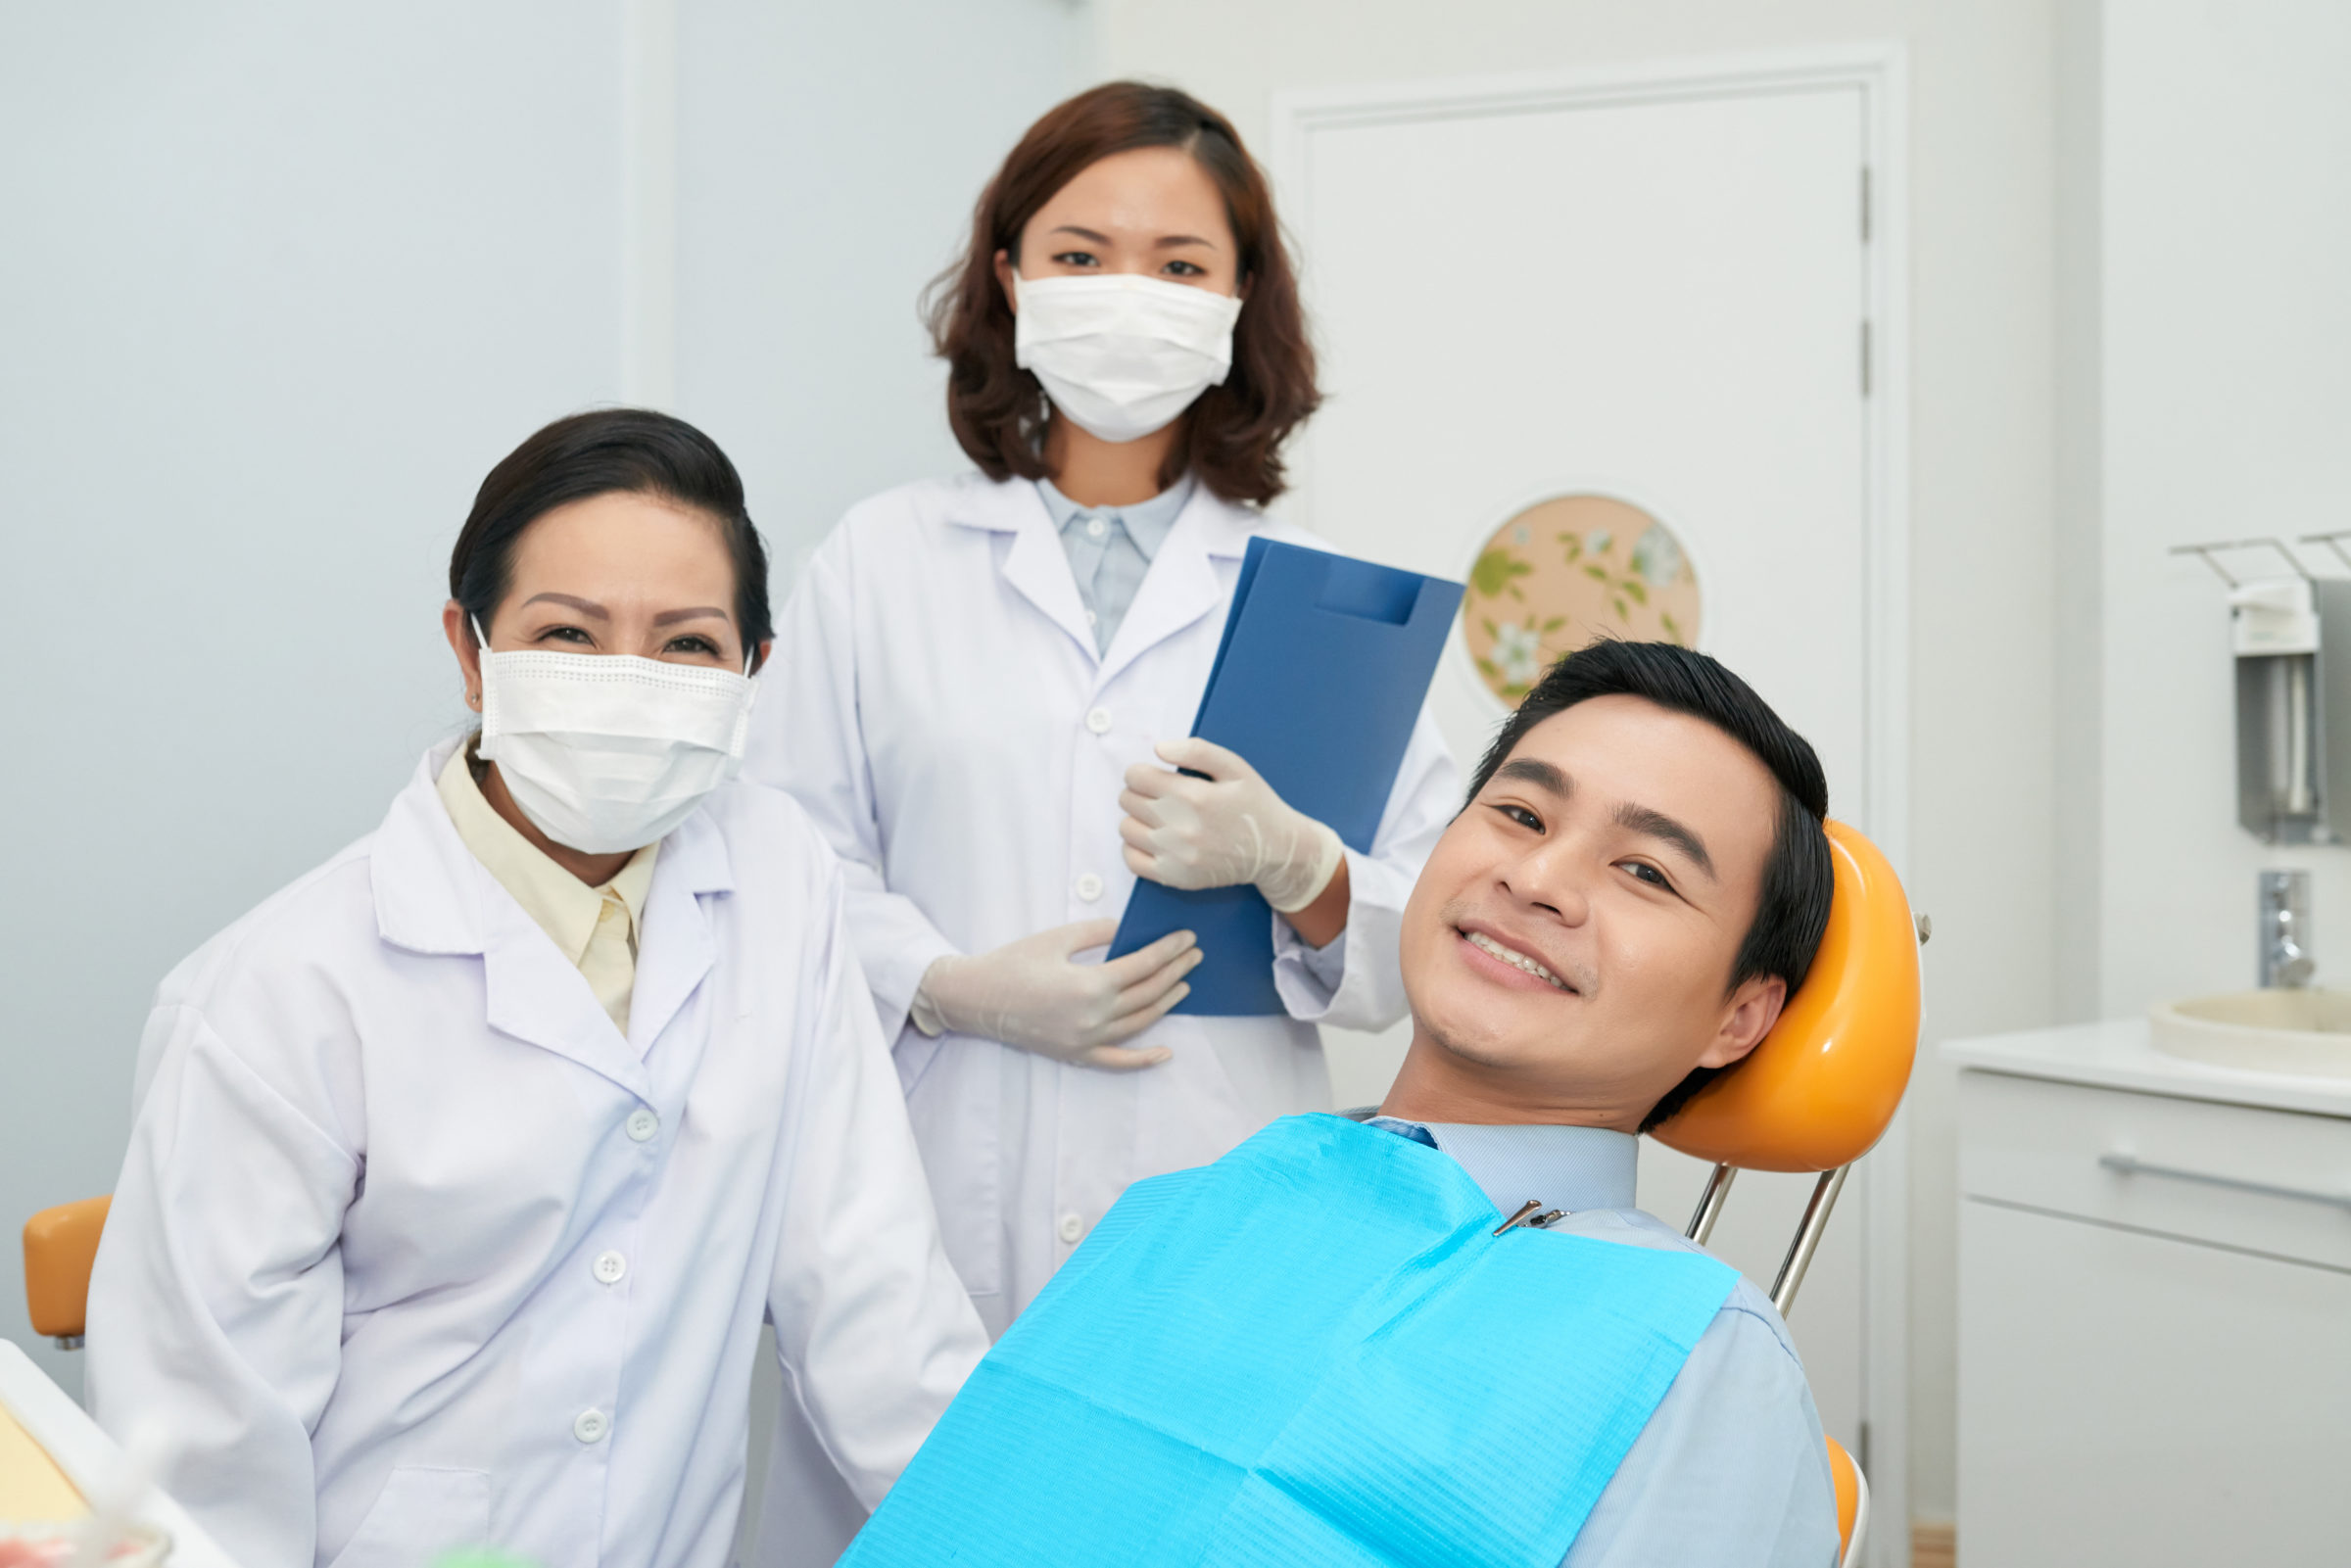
(1797, 882)
(634, 450)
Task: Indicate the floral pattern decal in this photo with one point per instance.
(1565, 571)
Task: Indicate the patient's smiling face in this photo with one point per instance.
(1569, 949)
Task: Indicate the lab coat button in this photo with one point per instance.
(1071, 1227)
(1098, 721)
(609, 1268)
(591, 1426)
(643, 1126)
(1090, 887)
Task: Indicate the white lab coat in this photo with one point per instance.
(413, 1250)
(936, 702)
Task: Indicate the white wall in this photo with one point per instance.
(829, 159)
(279, 284)
(1982, 300)
(2226, 364)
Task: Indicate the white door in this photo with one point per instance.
(1656, 300)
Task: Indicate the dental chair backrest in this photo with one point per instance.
(61, 1246)
(1820, 1090)
(1817, 1094)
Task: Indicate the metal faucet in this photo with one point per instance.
(2284, 930)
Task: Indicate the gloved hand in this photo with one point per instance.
(1227, 829)
(1028, 994)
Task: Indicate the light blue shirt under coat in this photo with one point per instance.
(1732, 1470)
(1111, 549)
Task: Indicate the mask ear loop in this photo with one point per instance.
(481, 660)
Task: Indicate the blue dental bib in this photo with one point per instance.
(1314, 1352)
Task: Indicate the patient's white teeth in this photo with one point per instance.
(1516, 960)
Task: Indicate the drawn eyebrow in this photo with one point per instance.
(1657, 825)
(699, 612)
(584, 606)
(1166, 242)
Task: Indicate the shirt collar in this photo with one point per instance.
(1147, 522)
(1573, 1168)
(557, 902)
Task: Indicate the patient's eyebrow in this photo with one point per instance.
(1542, 775)
(1657, 825)
(698, 613)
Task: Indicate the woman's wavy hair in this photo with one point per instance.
(1232, 436)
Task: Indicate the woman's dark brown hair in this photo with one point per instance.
(1232, 436)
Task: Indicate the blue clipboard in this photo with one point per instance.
(1324, 663)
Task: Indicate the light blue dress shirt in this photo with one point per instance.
(1731, 1471)
(1110, 549)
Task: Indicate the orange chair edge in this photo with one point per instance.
(61, 1245)
(1847, 1475)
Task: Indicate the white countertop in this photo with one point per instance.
(2119, 1055)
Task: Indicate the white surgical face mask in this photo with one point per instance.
(1121, 355)
(606, 752)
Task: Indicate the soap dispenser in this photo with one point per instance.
(2291, 637)
(2281, 730)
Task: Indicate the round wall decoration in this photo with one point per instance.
(1565, 571)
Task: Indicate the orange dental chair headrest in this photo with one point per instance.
(1820, 1089)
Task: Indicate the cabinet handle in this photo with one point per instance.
(2133, 1165)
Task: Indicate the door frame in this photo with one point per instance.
(1879, 72)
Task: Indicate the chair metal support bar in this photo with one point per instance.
(1808, 1238)
(1709, 1204)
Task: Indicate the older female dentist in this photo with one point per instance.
(986, 682)
(465, 1169)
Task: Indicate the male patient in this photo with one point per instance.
(1329, 1347)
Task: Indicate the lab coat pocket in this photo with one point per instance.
(421, 1514)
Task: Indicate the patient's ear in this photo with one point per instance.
(1752, 1010)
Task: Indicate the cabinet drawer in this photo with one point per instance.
(2057, 1146)
(2128, 1400)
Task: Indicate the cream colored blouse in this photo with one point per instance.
(596, 927)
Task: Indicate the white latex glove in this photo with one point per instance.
(1029, 994)
(1224, 830)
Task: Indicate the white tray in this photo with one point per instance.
(88, 1455)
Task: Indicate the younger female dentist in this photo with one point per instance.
(987, 681)
(464, 1169)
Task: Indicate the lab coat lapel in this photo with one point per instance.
(676, 949)
(1183, 583)
(539, 996)
(432, 897)
(1034, 563)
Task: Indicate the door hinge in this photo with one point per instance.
(1865, 357)
(1865, 206)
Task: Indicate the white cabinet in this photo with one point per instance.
(2154, 1356)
